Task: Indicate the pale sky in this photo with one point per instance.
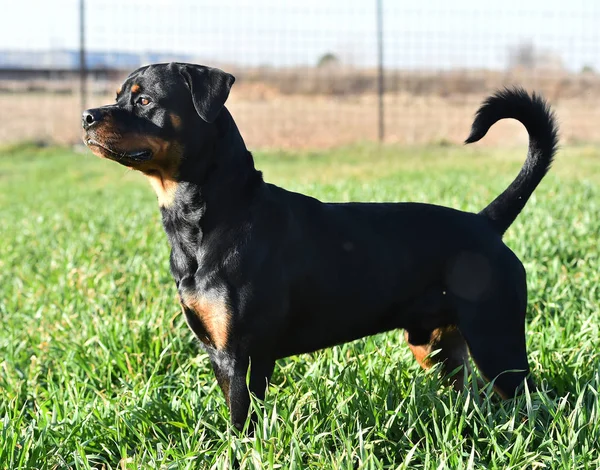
(418, 34)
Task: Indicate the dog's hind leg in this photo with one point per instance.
(453, 355)
(495, 334)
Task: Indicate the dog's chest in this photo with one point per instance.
(205, 303)
(208, 315)
(206, 307)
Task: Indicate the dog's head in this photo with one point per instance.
(160, 112)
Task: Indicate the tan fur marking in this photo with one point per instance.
(164, 188)
(162, 169)
(453, 354)
(175, 120)
(119, 90)
(421, 354)
(135, 88)
(225, 387)
(214, 315)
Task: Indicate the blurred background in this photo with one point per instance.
(310, 73)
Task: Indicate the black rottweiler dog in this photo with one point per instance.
(264, 273)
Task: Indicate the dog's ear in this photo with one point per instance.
(209, 88)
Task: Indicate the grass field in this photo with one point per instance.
(99, 370)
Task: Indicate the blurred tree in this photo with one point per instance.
(526, 56)
(328, 59)
(523, 55)
(588, 69)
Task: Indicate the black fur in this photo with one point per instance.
(535, 114)
(290, 274)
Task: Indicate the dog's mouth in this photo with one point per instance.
(131, 155)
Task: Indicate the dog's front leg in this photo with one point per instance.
(231, 377)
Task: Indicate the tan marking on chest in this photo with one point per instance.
(421, 354)
(214, 315)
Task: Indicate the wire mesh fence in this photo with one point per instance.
(307, 71)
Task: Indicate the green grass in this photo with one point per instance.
(99, 370)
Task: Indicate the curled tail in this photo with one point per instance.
(535, 114)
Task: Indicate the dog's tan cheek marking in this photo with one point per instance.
(175, 121)
(103, 133)
(214, 315)
(135, 88)
(162, 170)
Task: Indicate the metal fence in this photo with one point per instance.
(310, 73)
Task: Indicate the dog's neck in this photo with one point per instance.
(231, 173)
(215, 189)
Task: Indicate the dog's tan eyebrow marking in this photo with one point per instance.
(119, 90)
(135, 88)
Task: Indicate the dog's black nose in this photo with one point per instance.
(90, 117)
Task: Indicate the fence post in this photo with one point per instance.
(82, 61)
(380, 82)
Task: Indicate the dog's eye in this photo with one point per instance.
(143, 100)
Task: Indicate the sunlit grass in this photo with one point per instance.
(99, 370)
